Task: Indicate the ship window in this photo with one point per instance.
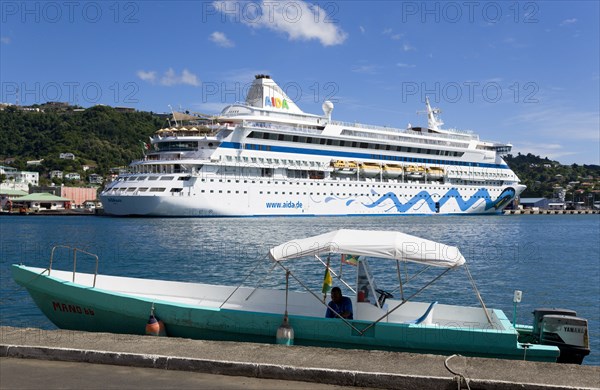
(153, 178)
(165, 178)
(176, 189)
(202, 191)
(142, 178)
(142, 189)
(157, 189)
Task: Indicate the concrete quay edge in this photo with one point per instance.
(264, 365)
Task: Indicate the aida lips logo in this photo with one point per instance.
(276, 102)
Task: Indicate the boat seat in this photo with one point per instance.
(426, 318)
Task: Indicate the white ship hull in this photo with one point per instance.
(266, 157)
(431, 199)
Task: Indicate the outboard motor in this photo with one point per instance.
(562, 328)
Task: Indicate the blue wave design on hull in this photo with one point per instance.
(506, 196)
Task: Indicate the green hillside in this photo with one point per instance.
(541, 175)
(100, 137)
(103, 138)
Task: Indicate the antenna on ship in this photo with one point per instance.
(173, 113)
(433, 120)
(327, 109)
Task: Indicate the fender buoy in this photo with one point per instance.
(155, 327)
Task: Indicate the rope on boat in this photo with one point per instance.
(240, 285)
(487, 315)
(458, 377)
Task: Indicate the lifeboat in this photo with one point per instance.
(435, 173)
(370, 169)
(415, 171)
(392, 170)
(344, 167)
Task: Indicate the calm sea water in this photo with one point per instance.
(554, 260)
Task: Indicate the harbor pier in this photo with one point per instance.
(551, 212)
(357, 368)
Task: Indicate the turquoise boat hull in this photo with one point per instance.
(77, 307)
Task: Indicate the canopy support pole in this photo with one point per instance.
(487, 315)
(408, 280)
(400, 279)
(336, 275)
(240, 285)
(260, 282)
(402, 303)
(317, 297)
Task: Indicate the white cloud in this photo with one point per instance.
(552, 151)
(221, 39)
(362, 29)
(387, 31)
(403, 65)
(170, 78)
(397, 37)
(560, 123)
(366, 69)
(149, 76)
(296, 19)
(5, 40)
(568, 21)
(407, 47)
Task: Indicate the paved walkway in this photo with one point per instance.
(35, 374)
(359, 368)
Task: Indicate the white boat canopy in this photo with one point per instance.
(371, 243)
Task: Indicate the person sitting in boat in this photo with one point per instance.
(339, 304)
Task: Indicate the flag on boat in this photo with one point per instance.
(350, 259)
(327, 281)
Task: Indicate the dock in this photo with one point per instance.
(356, 368)
(550, 212)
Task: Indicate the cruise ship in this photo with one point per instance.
(266, 157)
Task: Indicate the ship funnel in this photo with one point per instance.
(265, 93)
(327, 109)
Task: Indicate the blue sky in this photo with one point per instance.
(519, 72)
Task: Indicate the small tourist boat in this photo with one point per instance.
(249, 312)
